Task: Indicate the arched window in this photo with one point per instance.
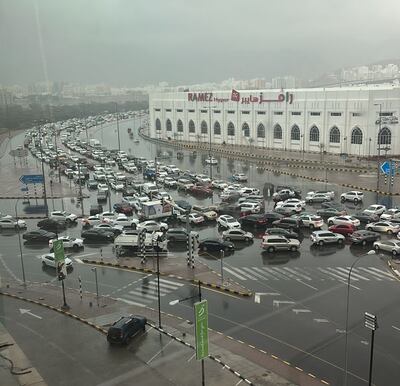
(246, 130)
(203, 127)
(179, 126)
(168, 125)
(277, 132)
(217, 128)
(334, 135)
(356, 136)
(385, 137)
(260, 131)
(231, 129)
(314, 134)
(295, 133)
(158, 124)
(192, 127)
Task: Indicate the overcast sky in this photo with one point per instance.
(137, 42)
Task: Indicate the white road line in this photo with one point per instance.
(135, 298)
(375, 275)
(88, 254)
(130, 302)
(191, 357)
(267, 275)
(351, 285)
(344, 275)
(341, 278)
(297, 273)
(277, 274)
(172, 282)
(234, 274)
(245, 274)
(307, 285)
(162, 288)
(353, 274)
(382, 272)
(78, 260)
(257, 275)
(145, 295)
(158, 353)
(167, 286)
(280, 270)
(396, 328)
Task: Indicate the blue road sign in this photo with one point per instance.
(31, 179)
(386, 167)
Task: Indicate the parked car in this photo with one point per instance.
(193, 218)
(288, 223)
(311, 221)
(151, 225)
(281, 232)
(365, 218)
(354, 196)
(240, 177)
(326, 237)
(336, 220)
(329, 212)
(343, 229)
(392, 246)
(63, 216)
(363, 237)
(375, 210)
(91, 221)
(260, 220)
(8, 222)
(91, 184)
(317, 197)
(177, 234)
(68, 242)
(206, 212)
(38, 235)
(123, 221)
(200, 190)
(116, 229)
(250, 207)
(48, 260)
(97, 235)
(383, 226)
(123, 207)
(237, 235)
(126, 328)
(216, 245)
(288, 209)
(273, 243)
(50, 224)
(186, 206)
(219, 184)
(95, 209)
(227, 221)
(390, 214)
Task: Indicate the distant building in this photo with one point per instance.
(335, 120)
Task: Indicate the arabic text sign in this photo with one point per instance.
(58, 248)
(31, 179)
(201, 328)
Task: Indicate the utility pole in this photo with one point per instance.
(80, 187)
(379, 145)
(44, 177)
(119, 142)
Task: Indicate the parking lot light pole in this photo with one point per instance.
(156, 241)
(378, 143)
(20, 244)
(94, 269)
(371, 322)
(346, 357)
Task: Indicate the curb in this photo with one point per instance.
(147, 270)
(103, 331)
(395, 271)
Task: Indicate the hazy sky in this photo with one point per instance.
(137, 42)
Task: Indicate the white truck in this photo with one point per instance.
(152, 210)
(94, 143)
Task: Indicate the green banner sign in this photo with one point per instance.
(58, 248)
(201, 328)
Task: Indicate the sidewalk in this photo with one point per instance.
(394, 265)
(251, 365)
(16, 363)
(175, 267)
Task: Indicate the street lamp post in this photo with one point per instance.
(20, 244)
(94, 269)
(379, 144)
(371, 322)
(174, 302)
(156, 246)
(44, 178)
(371, 252)
(119, 142)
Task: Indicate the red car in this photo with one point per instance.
(201, 190)
(123, 208)
(343, 229)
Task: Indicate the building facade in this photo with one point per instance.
(360, 121)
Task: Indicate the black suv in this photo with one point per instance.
(125, 328)
(288, 223)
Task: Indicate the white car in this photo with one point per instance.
(125, 221)
(110, 227)
(343, 220)
(211, 161)
(7, 222)
(68, 242)
(129, 200)
(169, 182)
(313, 197)
(392, 246)
(251, 207)
(48, 260)
(296, 201)
(63, 216)
(120, 176)
(353, 195)
(311, 221)
(203, 179)
(244, 192)
(219, 184)
(108, 217)
(151, 225)
(383, 226)
(227, 221)
(103, 187)
(375, 210)
(390, 214)
(240, 177)
(194, 218)
(326, 237)
(117, 185)
(91, 221)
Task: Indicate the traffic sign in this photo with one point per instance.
(201, 329)
(31, 179)
(386, 167)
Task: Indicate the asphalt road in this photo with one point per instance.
(67, 352)
(299, 311)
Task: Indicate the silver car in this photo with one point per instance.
(274, 243)
(326, 237)
(237, 235)
(383, 226)
(392, 246)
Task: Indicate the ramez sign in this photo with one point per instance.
(235, 97)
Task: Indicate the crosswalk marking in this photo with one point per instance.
(172, 283)
(308, 274)
(144, 294)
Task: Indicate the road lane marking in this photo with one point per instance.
(277, 274)
(130, 302)
(341, 274)
(245, 274)
(234, 274)
(88, 254)
(321, 320)
(382, 272)
(254, 273)
(297, 273)
(159, 352)
(143, 294)
(267, 275)
(279, 302)
(171, 282)
(191, 357)
(300, 311)
(353, 274)
(396, 328)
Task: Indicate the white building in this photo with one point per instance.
(335, 120)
